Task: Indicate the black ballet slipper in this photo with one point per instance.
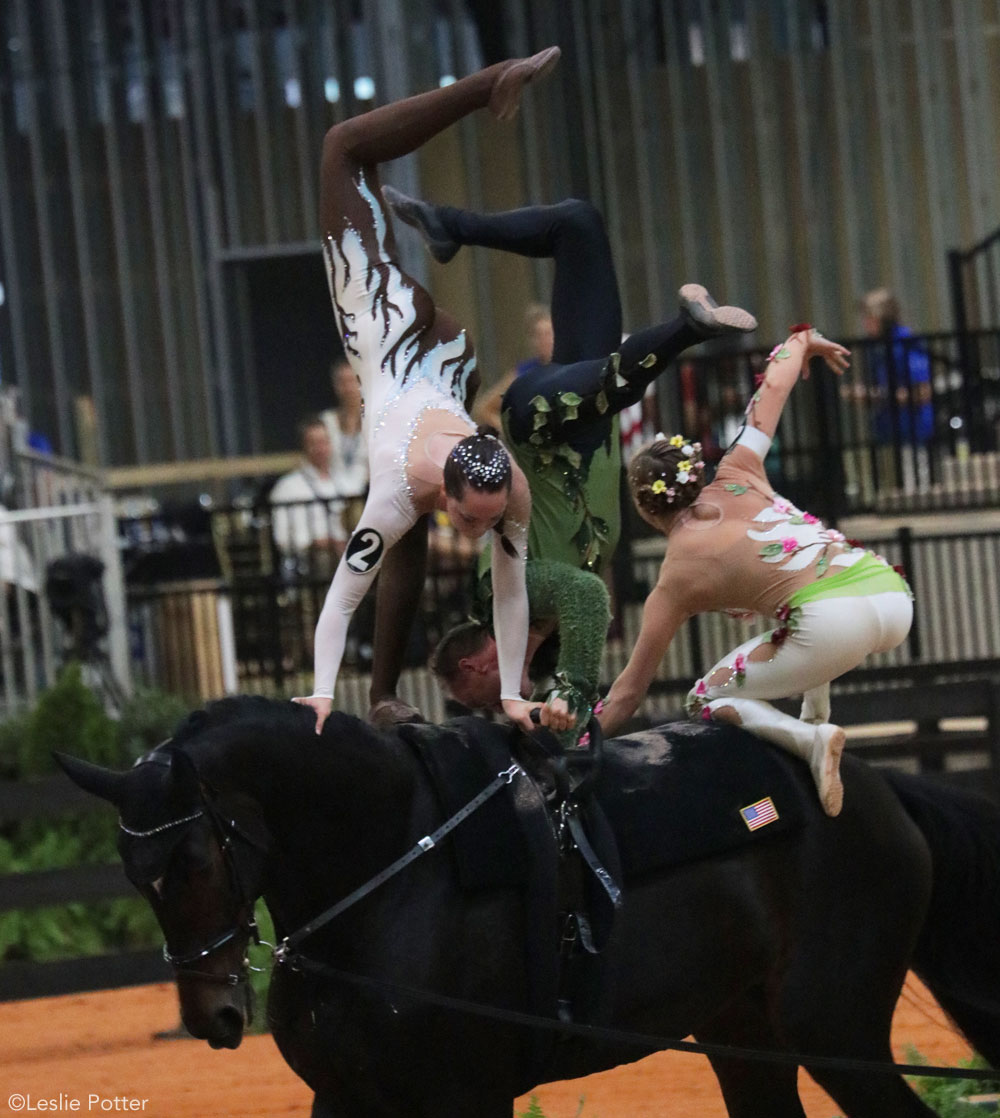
(710, 320)
(423, 217)
(390, 712)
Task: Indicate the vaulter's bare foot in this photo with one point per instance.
(827, 749)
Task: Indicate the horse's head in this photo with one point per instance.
(198, 858)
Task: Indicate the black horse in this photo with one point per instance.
(797, 943)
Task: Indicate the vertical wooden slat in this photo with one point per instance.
(890, 77)
(304, 155)
(773, 255)
(217, 371)
(978, 114)
(124, 245)
(10, 255)
(165, 300)
(262, 131)
(644, 142)
(211, 95)
(37, 130)
(77, 190)
(937, 151)
(609, 61)
(193, 149)
(845, 59)
(810, 216)
(691, 261)
(715, 22)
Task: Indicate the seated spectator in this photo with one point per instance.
(307, 518)
(348, 459)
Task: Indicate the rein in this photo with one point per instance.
(284, 952)
(604, 1035)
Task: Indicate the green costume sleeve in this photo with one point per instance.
(578, 601)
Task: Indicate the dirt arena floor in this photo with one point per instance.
(97, 1051)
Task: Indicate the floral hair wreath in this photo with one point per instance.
(689, 468)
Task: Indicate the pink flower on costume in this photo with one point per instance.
(809, 518)
(833, 534)
(740, 664)
(779, 504)
(584, 740)
(782, 613)
(700, 688)
(789, 544)
(706, 714)
(598, 706)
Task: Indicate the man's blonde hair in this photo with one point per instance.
(880, 303)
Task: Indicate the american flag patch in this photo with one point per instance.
(759, 814)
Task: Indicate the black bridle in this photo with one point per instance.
(224, 831)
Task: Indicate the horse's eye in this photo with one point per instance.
(195, 856)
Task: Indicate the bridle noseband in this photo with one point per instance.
(224, 831)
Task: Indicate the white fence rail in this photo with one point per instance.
(64, 512)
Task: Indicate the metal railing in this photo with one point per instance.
(974, 279)
(914, 424)
(252, 632)
(64, 511)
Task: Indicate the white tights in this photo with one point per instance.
(830, 637)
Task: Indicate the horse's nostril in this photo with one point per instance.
(227, 1031)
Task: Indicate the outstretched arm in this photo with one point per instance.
(510, 603)
(789, 361)
(383, 522)
(662, 615)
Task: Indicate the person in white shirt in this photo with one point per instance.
(348, 453)
(307, 503)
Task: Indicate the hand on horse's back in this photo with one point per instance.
(320, 704)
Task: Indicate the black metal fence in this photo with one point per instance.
(914, 425)
(226, 607)
(974, 281)
(250, 629)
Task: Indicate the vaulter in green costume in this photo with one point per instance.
(561, 420)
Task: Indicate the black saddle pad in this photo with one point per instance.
(687, 790)
(462, 757)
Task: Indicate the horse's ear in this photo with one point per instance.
(98, 781)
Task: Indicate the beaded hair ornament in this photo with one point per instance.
(479, 472)
(689, 469)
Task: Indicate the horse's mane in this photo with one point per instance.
(287, 728)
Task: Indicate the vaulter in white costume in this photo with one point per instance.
(418, 376)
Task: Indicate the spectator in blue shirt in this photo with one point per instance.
(898, 369)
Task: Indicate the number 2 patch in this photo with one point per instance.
(364, 552)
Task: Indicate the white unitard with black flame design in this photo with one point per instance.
(411, 359)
